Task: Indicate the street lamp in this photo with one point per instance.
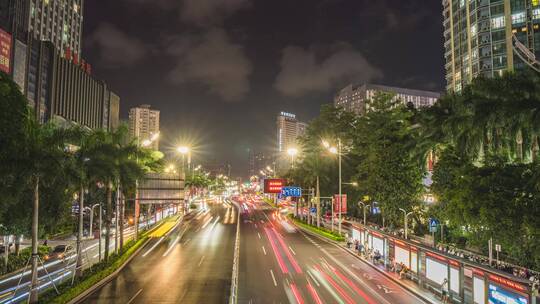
(292, 153)
(364, 207)
(337, 150)
(184, 150)
(405, 216)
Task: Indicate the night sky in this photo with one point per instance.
(221, 70)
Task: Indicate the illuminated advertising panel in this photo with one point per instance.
(479, 293)
(343, 203)
(5, 52)
(454, 279)
(356, 234)
(378, 244)
(402, 256)
(414, 262)
(436, 271)
(273, 185)
(500, 295)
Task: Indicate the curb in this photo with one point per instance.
(422, 297)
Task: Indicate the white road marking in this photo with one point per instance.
(273, 277)
(207, 222)
(172, 246)
(313, 278)
(200, 262)
(292, 250)
(264, 250)
(133, 298)
(259, 235)
(155, 245)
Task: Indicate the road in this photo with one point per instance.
(59, 270)
(280, 264)
(191, 264)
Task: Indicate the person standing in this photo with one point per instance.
(444, 291)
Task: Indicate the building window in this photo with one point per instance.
(536, 13)
(518, 18)
(497, 22)
(474, 30)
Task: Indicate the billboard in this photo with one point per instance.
(499, 295)
(157, 188)
(273, 185)
(343, 203)
(5, 52)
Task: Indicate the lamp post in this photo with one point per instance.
(184, 150)
(364, 207)
(92, 217)
(145, 143)
(292, 153)
(337, 151)
(405, 216)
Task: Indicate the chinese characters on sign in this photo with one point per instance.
(343, 203)
(273, 185)
(5, 52)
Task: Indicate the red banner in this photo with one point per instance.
(273, 185)
(5, 52)
(343, 203)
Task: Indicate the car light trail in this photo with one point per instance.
(336, 286)
(288, 253)
(276, 252)
(297, 294)
(314, 294)
(354, 287)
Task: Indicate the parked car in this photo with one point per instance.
(60, 252)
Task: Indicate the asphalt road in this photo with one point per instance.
(192, 264)
(14, 289)
(280, 264)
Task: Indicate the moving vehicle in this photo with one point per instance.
(59, 252)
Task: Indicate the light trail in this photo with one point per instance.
(314, 294)
(288, 253)
(281, 263)
(297, 294)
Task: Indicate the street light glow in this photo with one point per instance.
(333, 150)
(292, 151)
(326, 144)
(146, 143)
(183, 149)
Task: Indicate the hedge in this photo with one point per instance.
(320, 231)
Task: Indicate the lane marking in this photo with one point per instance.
(314, 280)
(200, 262)
(206, 223)
(259, 235)
(273, 277)
(152, 248)
(292, 250)
(133, 298)
(264, 250)
(172, 246)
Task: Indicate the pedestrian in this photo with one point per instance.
(45, 242)
(444, 291)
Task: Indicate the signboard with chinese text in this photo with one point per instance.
(5, 52)
(343, 203)
(273, 185)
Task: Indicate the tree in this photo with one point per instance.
(44, 152)
(384, 145)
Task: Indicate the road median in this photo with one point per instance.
(319, 231)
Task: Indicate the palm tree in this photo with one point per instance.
(44, 152)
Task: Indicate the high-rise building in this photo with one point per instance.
(144, 123)
(288, 131)
(354, 98)
(479, 37)
(57, 21)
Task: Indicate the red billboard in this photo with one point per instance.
(273, 185)
(343, 203)
(5, 52)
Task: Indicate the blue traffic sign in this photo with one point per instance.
(291, 191)
(433, 223)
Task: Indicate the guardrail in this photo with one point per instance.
(234, 277)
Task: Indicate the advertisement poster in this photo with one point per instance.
(343, 203)
(5, 52)
(499, 295)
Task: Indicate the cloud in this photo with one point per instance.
(302, 73)
(213, 60)
(115, 47)
(209, 12)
